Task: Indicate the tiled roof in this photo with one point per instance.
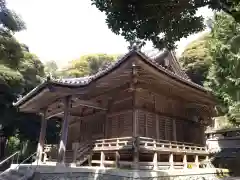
(83, 81)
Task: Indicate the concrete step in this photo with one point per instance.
(16, 175)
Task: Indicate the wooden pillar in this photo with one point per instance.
(41, 137)
(135, 120)
(64, 135)
(156, 117)
(171, 161)
(185, 161)
(157, 127)
(165, 129)
(174, 130)
(117, 159)
(80, 134)
(106, 124)
(102, 159)
(155, 161)
(196, 161)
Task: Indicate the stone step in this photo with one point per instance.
(10, 176)
(13, 174)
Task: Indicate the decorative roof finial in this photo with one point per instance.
(136, 45)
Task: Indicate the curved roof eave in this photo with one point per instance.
(85, 81)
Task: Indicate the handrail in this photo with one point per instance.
(26, 159)
(22, 163)
(9, 157)
(169, 141)
(112, 139)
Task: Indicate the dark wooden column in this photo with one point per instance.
(106, 124)
(174, 130)
(156, 117)
(135, 120)
(64, 133)
(41, 136)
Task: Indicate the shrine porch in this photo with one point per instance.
(129, 152)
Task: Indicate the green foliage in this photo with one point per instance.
(10, 76)
(89, 64)
(77, 68)
(9, 20)
(224, 74)
(20, 72)
(51, 68)
(13, 145)
(161, 22)
(10, 50)
(32, 70)
(196, 59)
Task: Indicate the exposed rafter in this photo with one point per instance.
(76, 102)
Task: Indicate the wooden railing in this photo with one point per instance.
(113, 144)
(148, 144)
(171, 146)
(81, 152)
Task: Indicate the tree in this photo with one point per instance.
(20, 72)
(224, 73)
(9, 20)
(10, 50)
(161, 22)
(89, 64)
(196, 59)
(51, 68)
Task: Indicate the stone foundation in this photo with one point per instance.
(47, 172)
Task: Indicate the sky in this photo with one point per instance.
(63, 30)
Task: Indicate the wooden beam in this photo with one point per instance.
(88, 104)
(77, 103)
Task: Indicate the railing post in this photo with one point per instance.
(185, 161)
(102, 159)
(117, 142)
(171, 161)
(155, 161)
(90, 159)
(154, 144)
(103, 143)
(196, 161)
(117, 159)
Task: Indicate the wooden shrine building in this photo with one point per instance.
(138, 112)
